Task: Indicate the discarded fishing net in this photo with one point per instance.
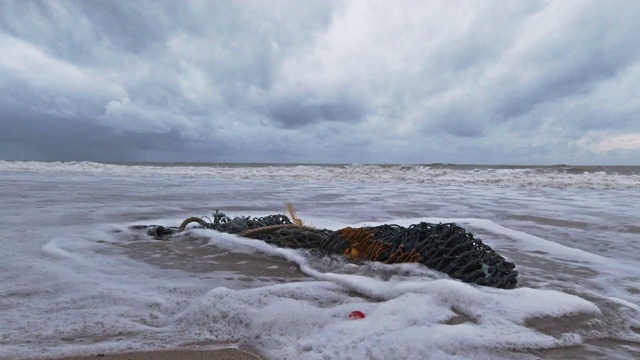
(448, 248)
(278, 230)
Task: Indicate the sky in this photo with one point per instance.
(465, 82)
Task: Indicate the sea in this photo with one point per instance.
(78, 277)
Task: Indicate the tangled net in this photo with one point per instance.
(448, 248)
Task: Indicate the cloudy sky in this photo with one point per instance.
(488, 82)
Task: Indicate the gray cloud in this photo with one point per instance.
(61, 139)
(354, 81)
(297, 111)
(132, 27)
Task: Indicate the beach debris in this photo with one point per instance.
(356, 315)
(447, 248)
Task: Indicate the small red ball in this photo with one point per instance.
(355, 315)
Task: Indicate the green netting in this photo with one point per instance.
(448, 248)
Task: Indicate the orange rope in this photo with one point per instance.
(292, 212)
(267, 229)
(400, 256)
(361, 244)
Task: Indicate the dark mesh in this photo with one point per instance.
(448, 248)
(444, 247)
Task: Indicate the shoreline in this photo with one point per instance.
(217, 354)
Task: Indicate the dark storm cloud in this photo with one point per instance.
(456, 124)
(298, 111)
(49, 137)
(364, 81)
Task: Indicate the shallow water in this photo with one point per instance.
(77, 279)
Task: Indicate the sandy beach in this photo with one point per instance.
(222, 354)
(79, 279)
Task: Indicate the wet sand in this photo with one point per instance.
(193, 253)
(222, 354)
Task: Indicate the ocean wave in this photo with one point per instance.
(560, 176)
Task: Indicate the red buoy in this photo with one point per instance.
(356, 315)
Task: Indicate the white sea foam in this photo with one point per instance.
(551, 177)
(410, 315)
